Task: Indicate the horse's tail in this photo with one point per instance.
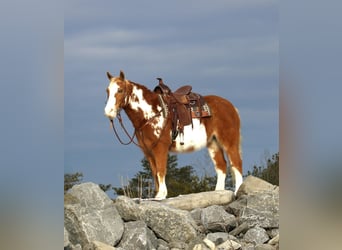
(240, 139)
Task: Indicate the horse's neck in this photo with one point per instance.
(141, 103)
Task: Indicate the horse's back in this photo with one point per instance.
(220, 106)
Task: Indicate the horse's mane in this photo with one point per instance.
(141, 86)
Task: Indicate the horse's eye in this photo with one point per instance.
(120, 90)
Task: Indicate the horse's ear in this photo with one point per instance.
(109, 76)
(122, 75)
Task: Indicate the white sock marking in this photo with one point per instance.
(162, 192)
(221, 179)
(238, 179)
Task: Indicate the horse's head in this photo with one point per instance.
(116, 95)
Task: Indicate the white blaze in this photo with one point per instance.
(110, 109)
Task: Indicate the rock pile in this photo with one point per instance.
(214, 220)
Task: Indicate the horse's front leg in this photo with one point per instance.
(161, 165)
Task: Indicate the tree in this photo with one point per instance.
(72, 179)
(181, 180)
(270, 172)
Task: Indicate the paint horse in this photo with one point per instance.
(220, 132)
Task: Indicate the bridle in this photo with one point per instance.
(118, 116)
(131, 137)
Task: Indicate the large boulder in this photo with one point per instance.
(91, 216)
(254, 184)
(138, 236)
(256, 235)
(215, 218)
(261, 210)
(167, 223)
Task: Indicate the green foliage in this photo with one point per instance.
(72, 179)
(104, 187)
(181, 180)
(270, 172)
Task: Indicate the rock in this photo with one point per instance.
(242, 228)
(215, 218)
(247, 246)
(264, 247)
(228, 245)
(274, 240)
(209, 244)
(254, 184)
(250, 222)
(175, 245)
(167, 223)
(237, 206)
(66, 238)
(128, 209)
(196, 215)
(262, 209)
(92, 216)
(273, 232)
(162, 245)
(96, 245)
(200, 200)
(256, 235)
(200, 247)
(138, 236)
(218, 238)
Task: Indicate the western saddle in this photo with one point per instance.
(183, 105)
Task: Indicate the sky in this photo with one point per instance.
(225, 48)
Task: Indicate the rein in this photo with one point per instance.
(131, 138)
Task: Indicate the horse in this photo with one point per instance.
(220, 132)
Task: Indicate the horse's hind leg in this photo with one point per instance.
(234, 154)
(217, 155)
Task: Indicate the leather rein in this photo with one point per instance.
(131, 137)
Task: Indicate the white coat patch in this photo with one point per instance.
(139, 103)
(195, 137)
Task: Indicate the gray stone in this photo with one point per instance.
(264, 247)
(73, 247)
(237, 206)
(200, 246)
(196, 215)
(242, 228)
(215, 218)
(262, 209)
(167, 223)
(256, 235)
(138, 236)
(254, 184)
(162, 245)
(218, 238)
(247, 246)
(228, 245)
(96, 245)
(128, 209)
(178, 245)
(66, 238)
(93, 217)
(274, 240)
(273, 232)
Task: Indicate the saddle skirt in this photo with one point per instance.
(182, 105)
